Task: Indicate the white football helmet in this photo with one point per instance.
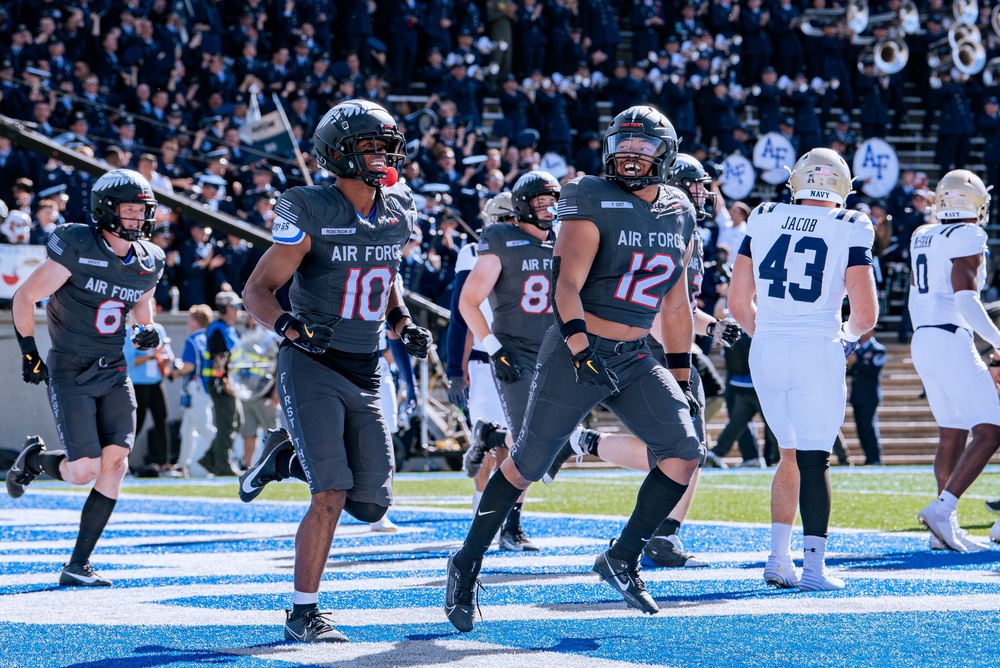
(821, 174)
(961, 195)
(498, 209)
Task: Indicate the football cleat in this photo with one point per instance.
(581, 442)
(714, 461)
(758, 463)
(995, 532)
(265, 470)
(82, 575)
(668, 551)
(516, 541)
(624, 577)
(312, 626)
(461, 597)
(993, 506)
(781, 573)
(384, 525)
(942, 524)
(20, 474)
(472, 461)
(819, 581)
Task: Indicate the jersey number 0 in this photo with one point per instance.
(772, 268)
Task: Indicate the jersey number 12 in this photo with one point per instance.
(772, 268)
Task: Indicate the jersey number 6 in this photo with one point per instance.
(772, 268)
(109, 316)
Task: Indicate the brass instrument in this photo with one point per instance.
(891, 55)
(854, 18)
(965, 11)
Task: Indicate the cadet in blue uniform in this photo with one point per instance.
(93, 277)
(341, 245)
(621, 258)
(866, 394)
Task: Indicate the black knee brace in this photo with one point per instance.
(814, 491)
(365, 512)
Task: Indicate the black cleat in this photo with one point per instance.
(82, 575)
(993, 506)
(472, 461)
(624, 577)
(20, 474)
(667, 551)
(516, 541)
(312, 626)
(461, 597)
(264, 471)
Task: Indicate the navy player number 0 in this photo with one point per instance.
(772, 268)
(920, 266)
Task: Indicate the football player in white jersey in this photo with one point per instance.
(799, 260)
(948, 271)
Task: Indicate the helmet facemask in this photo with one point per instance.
(640, 149)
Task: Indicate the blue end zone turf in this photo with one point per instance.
(200, 582)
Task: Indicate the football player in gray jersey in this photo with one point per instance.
(621, 258)
(95, 276)
(514, 272)
(341, 245)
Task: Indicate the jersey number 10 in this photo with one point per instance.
(375, 283)
(772, 268)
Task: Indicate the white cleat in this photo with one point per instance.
(942, 524)
(781, 573)
(384, 525)
(995, 532)
(972, 543)
(819, 581)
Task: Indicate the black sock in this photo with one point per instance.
(498, 498)
(288, 466)
(668, 527)
(496, 439)
(513, 522)
(814, 491)
(657, 497)
(591, 441)
(47, 462)
(300, 609)
(96, 512)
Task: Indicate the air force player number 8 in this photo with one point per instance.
(772, 267)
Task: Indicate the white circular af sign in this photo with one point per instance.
(774, 156)
(738, 177)
(877, 166)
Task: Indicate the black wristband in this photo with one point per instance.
(678, 360)
(26, 343)
(284, 321)
(575, 326)
(994, 362)
(685, 385)
(393, 317)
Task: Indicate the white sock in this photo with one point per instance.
(781, 540)
(476, 497)
(305, 598)
(814, 553)
(949, 500)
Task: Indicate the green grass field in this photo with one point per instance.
(886, 499)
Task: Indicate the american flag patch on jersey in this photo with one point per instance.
(567, 207)
(56, 245)
(290, 211)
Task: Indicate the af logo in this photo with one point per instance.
(774, 153)
(877, 165)
(664, 207)
(879, 161)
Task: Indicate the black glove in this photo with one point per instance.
(145, 337)
(591, 370)
(313, 338)
(416, 339)
(725, 332)
(505, 368)
(33, 369)
(458, 392)
(693, 406)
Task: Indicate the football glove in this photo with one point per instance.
(416, 339)
(848, 340)
(33, 369)
(458, 392)
(725, 332)
(145, 337)
(313, 337)
(693, 406)
(504, 367)
(591, 370)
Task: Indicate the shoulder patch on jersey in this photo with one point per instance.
(764, 207)
(290, 211)
(92, 262)
(567, 207)
(285, 231)
(57, 245)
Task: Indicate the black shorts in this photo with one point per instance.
(93, 403)
(650, 404)
(338, 430)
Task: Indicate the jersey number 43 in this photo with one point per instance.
(772, 268)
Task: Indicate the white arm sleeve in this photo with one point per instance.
(968, 304)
